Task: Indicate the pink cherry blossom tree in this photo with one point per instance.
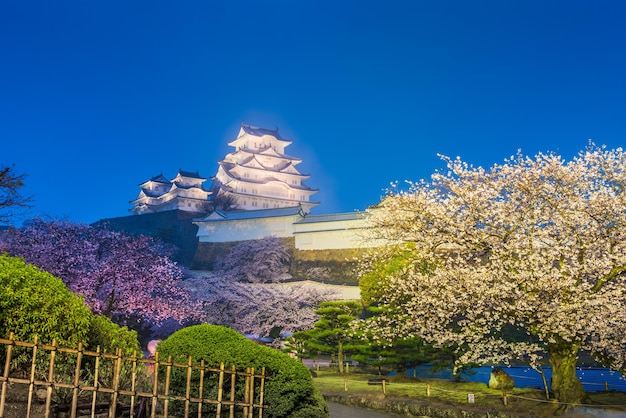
(533, 244)
(265, 310)
(263, 260)
(123, 277)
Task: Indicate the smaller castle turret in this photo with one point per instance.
(184, 192)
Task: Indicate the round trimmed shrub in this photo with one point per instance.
(34, 302)
(289, 391)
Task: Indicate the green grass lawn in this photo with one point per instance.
(523, 401)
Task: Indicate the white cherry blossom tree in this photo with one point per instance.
(536, 244)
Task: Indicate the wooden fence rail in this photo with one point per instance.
(67, 382)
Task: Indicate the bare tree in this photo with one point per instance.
(11, 184)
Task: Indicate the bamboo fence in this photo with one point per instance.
(70, 382)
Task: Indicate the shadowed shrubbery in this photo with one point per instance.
(289, 391)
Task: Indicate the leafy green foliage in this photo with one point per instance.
(288, 393)
(109, 336)
(372, 282)
(332, 333)
(33, 302)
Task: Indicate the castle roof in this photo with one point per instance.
(257, 131)
(346, 216)
(160, 178)
(219, 215)
(190, 174)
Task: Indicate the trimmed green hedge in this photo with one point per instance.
(34, 302)
(288, 393)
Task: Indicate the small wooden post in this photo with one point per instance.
(31, 384)
(246, 394)
(220, 390)
(201, 388)
(345, 385)
(7, 368)
(384, 387)
(133, 384)
(606, 386)
(50, 378)
(262, 389)
(94, 395)
(505, 400)
(76, 383)
(168, 376)
(116, 383)
(155, 385)
(232, 390)
(188, 388)
(428, 389)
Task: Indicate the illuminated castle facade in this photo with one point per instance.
(184, 192)
(259, 175)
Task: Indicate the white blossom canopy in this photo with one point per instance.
(534, 244)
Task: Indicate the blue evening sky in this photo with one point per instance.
(98, 96)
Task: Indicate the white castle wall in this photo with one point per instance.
(322, 232)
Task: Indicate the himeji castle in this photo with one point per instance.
(256, 192)
(259, 175)
(184, 192)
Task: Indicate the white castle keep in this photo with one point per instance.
(256, 192)
(259, 175)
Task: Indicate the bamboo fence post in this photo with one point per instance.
(133, 384)
(505, 400)
(428, 389)
(7, 368)
(168, 375)
(31, 382)
(220, 390)
(116, 383)
(345, 384)
(155, 385)
(261, 396)
(95, 383)
(76, 383)
(384, 387)
(251, 413)
(50, 378)
(246, 393)
(232, 391)
(201, 389)
(188, 387)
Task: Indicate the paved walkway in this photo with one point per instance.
(338, 410)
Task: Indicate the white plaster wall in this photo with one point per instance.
(246, 229)
(330, 235)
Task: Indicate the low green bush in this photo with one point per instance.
(34, 302)
(109, 336)
(289, 391)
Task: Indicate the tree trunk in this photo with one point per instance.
(340, 356)
(566, 386)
